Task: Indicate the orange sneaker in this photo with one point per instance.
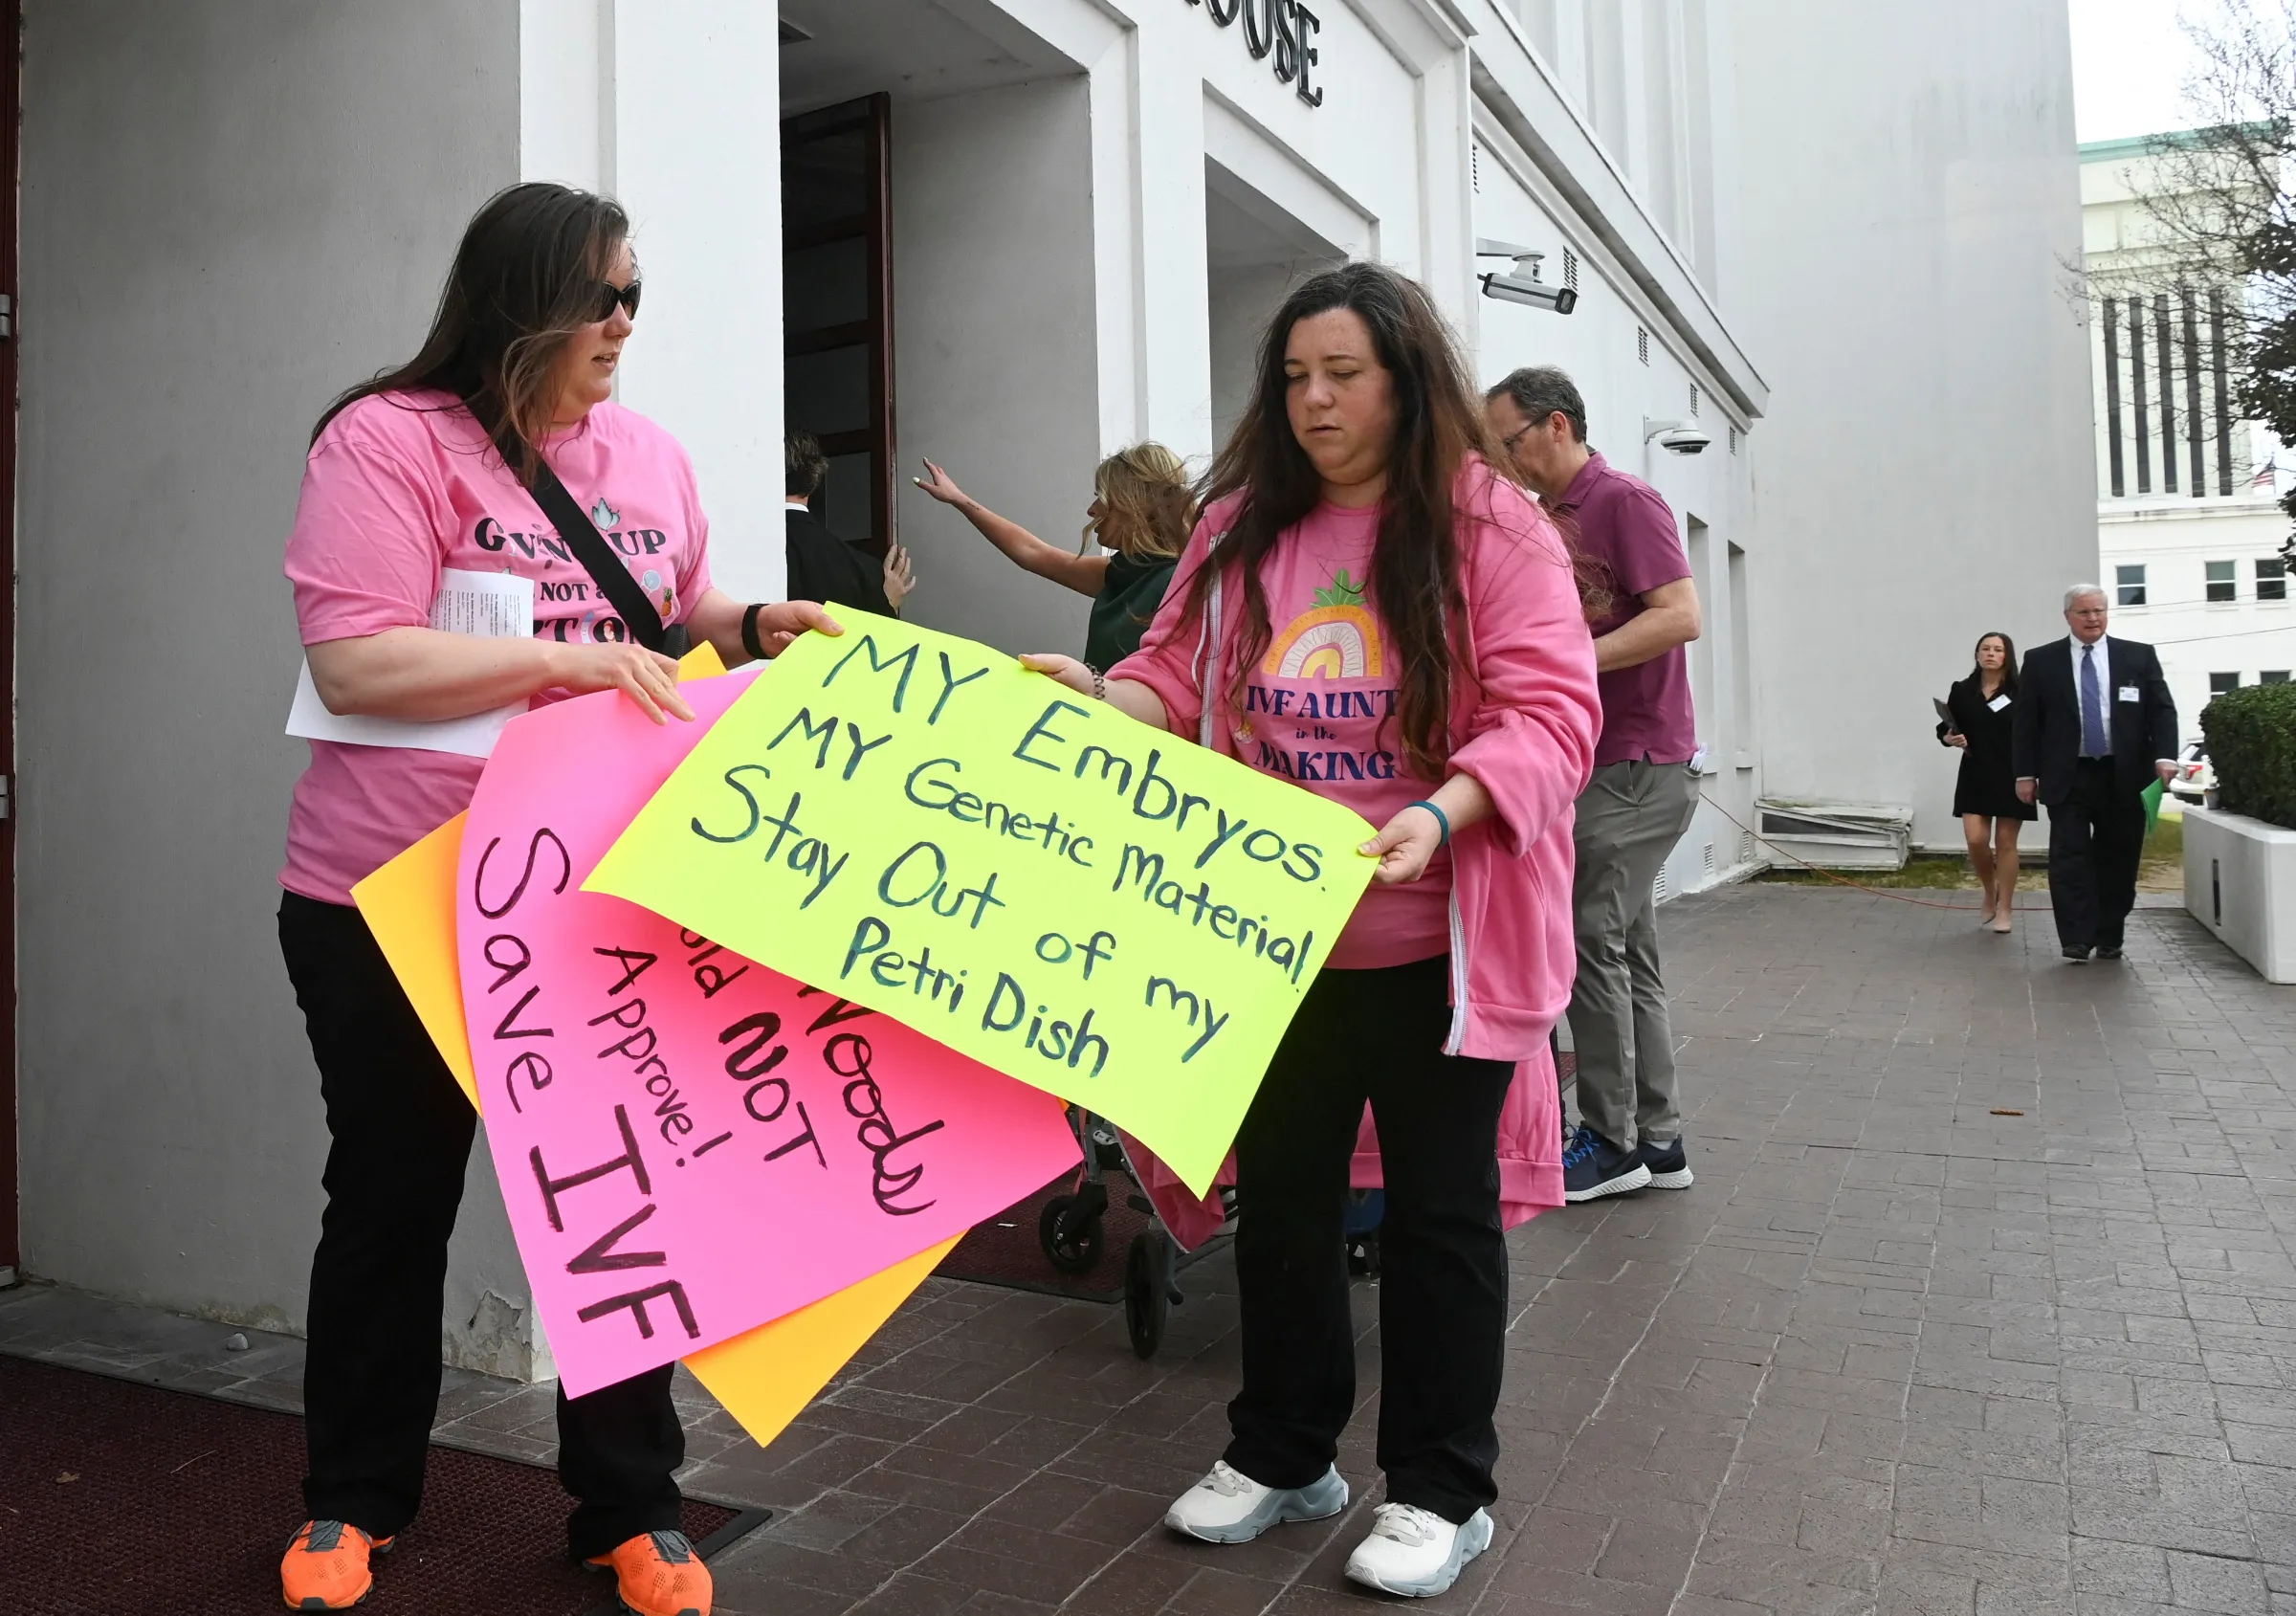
(325, 1566)
(658, 1574)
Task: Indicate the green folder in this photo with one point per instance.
(2152, 808)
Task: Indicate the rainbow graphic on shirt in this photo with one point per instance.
(1338, 639)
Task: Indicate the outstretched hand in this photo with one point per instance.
(784, 621)
(900, 577)
(648, 677)
(1405, 848)
(1067, 670)
(939, 485)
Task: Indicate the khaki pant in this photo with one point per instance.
(1630, 816)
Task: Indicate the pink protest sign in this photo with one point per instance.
(691, 1146)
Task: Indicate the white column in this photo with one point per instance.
(1447, 264)
(673, 106)
(1173, 320)
(697, 161)
(1120, 291)
(566, 92)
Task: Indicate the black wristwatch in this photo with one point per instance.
(749, 631)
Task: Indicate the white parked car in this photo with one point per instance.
(2195, 777)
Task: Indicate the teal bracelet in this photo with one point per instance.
(1441, 818)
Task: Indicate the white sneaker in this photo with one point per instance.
(1416, 1552)
(1230, 1507)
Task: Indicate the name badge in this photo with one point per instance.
(2129, 692)
(1998, 704)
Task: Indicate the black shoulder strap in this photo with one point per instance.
(598, 559)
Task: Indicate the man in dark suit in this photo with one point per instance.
(824, 567)
(2094, 724)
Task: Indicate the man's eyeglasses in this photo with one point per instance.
(1506, 444)
(607, 295)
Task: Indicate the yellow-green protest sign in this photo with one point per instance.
(918, 824)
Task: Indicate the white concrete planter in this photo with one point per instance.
(2239, 881)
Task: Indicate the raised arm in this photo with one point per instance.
(1081, 573)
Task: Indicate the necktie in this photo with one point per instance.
(2093, 742)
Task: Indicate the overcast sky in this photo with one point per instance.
(2129, 61)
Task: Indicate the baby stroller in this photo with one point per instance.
(1072, 1229)
(1530, 1182)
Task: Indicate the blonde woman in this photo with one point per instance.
(1142, 512)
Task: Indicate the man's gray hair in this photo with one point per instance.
(1542, 391)
(2079, 589)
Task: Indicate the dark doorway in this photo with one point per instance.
(837, 308)
(11, 40)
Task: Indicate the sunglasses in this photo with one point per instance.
(607, 295)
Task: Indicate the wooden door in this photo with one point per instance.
(837, 308)
(12, 53)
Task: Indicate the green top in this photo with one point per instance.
(1124, 608)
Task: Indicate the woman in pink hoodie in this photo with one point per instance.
(1367, 610)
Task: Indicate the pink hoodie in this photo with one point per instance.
(1524, 718)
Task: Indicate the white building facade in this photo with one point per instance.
(2189, 530)
(1010, 234)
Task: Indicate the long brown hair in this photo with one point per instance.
(1147, 505)
(1415, 558)
(524, 280)
(1977, 673)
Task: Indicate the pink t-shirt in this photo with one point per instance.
(1320, 708)
(396, 489)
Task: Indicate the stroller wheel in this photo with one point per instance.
(1070, 1232)
(1147, 1290)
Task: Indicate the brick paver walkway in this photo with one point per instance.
(1983, 1304)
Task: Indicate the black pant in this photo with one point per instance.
(1374, 1035)
(402, 1132)
(2096, 837)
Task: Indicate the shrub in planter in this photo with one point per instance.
(2251, 737)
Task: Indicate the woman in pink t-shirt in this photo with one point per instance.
(1367, 610)
(426, 467)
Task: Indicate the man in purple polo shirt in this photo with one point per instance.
(1644, 792)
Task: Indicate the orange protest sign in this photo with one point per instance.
(409, 906)
(764, 1376)
(767, 1377)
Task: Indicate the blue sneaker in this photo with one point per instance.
(1669, 1164)
(1230, 1507)
(1593, 1167)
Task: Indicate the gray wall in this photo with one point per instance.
(993, 347)
(1910, 201)
(231, 208)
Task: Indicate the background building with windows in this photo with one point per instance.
(2189, 532)
(1013, 235)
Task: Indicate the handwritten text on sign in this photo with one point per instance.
(690, 1144)
(917, 822)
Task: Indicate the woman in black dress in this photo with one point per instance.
(1985, 796)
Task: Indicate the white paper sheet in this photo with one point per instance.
(491, 605)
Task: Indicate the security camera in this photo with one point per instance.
(1524, 285)
(1676, 437)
